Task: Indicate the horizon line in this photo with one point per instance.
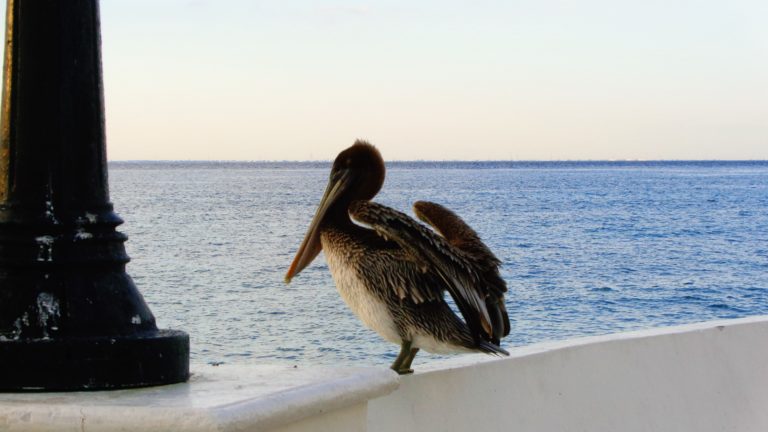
(429, 160)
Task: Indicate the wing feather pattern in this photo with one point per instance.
(433, 253)
(463, 237)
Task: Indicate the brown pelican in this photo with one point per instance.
(393, 271)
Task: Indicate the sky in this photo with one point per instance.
(436, 80)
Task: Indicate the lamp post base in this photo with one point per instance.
(94, 363)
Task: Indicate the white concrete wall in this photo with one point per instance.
(216, 399)
(697, 378)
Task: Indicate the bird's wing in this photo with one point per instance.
(463, 237)
(433, 254)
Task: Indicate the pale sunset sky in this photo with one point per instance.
(469, 80)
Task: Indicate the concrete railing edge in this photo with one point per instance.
(547, 346)
(298, 403)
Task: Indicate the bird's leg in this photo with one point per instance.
(405, 352)
(405, 367)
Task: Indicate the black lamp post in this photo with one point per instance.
(70, 317)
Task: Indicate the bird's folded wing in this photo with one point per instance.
(434, 254)
(461, 236)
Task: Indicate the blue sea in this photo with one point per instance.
(587, 248)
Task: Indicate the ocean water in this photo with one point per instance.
(587, 248)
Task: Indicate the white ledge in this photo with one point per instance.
(584, 341)
(704, 377)
(222, 398)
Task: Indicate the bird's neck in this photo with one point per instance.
(338, 216)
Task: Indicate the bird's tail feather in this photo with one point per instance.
(490, 348)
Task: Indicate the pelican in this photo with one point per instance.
(393, 271)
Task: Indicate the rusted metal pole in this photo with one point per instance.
(70, 316)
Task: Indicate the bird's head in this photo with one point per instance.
(357, 174)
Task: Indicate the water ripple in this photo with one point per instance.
(588, 248)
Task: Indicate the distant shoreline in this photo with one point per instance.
(447, 164)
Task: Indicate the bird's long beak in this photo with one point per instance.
(311, 246)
